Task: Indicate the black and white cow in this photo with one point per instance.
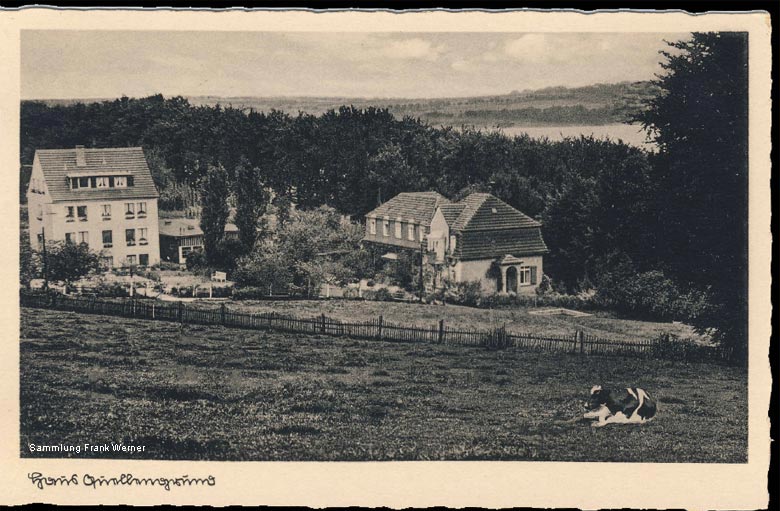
(624, 406)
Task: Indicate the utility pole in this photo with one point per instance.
(45, 262)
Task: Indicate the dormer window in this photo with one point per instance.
(410, 233)
(99, 182)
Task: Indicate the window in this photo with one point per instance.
(386, 227)
(372, 225)
(410, 233)
(84, 237)
(398, 228)
(74, 183)
(120, 182)
(108, 239)
(130, 260)
(129, 210)
(142, 236)
(40, 238)
(70, 237)
(524, 275)
(70, 214)
(81, 211)
(453, 242)
(143, 259)
(39, 212)
(130, 237)
(83, 182)
(106, 212)
(102, 182)
(141, 210)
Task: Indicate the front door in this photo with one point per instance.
(511, 279)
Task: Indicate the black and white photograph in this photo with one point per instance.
(384, 245)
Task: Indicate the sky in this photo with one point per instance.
(108, 64)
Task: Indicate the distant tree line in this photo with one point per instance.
(642, 228)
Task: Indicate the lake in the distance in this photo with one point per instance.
(630, 134)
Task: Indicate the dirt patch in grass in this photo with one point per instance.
(209, 393)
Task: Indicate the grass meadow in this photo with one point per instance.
(197, 392)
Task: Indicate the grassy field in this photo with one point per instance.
(516, 319)
(212, 393)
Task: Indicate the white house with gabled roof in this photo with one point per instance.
(105, 198)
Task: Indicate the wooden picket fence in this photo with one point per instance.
(375, 329)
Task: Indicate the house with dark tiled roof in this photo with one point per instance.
(404, 221)
(481, 238)
(105, 198)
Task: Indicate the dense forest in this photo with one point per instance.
(648, 229)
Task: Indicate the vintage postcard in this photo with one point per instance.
(365, 258)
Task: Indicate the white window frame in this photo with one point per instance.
(142, 232)
(386, 227)
(372, 226)
(106, 211)
(102, 182)
(130, 209)
(453, 242)
(141, 211)
(84, 237)
(410, 232)
(120, 182)
(524, 276)
(399, 229)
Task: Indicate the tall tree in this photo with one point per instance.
(251, 202)
(699, 123)
(213, 198)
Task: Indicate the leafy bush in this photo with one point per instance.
(111, 290)
(351, 292)
(670, 347)
(250, 293)
(169, 266)
(651, 295)
(380, 295)
(464, 293)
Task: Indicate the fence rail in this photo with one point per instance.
(375, 329)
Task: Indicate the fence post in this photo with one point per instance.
(581, 338)
(222, 314)
(441, 331)
(181, 312)
(270, 320)
(379, 330)
(323, 322)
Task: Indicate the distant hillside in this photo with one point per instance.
(554, 106)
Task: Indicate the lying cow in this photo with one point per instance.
(625, 406)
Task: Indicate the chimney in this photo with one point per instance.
(81, 160)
